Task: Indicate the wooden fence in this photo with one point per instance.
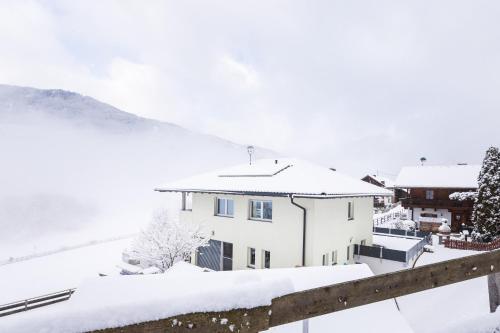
(463, 245)
(319, 301)
(36, 302)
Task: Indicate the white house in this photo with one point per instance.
(278, 213)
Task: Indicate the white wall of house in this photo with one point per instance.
(442, 213)
(328, 228)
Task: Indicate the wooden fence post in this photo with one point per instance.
(494, 291)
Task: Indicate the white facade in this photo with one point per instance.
(329, 232)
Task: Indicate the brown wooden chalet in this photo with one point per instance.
(428, 194)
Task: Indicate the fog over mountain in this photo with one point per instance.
(73, 168)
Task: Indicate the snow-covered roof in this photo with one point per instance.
(282, 177)
(107, 302)
(453, 176)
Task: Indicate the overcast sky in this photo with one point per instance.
(358, 85)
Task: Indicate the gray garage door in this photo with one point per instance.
(216, 256)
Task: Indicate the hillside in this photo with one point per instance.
(76, 169)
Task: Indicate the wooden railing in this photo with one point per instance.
(464, 245)
(319, 301)
(436, 203)
(35, 302)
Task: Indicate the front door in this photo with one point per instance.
(456, 221)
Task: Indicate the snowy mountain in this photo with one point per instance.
(75, 169)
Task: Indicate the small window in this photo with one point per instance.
(251, 257)
(429, 194)
(261, 210)
(334, 257)
(350, 210)
(266, 259)
(224, 207)
(325, 259)
(348, 253)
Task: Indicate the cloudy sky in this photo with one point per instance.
(359, 85)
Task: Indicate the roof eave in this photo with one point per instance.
(276, 194)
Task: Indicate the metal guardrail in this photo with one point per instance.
(391, 254)
(35, 302)
(400, 232)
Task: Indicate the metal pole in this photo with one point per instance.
(305, 326)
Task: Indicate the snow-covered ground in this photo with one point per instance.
(461, 307)
(58, 271)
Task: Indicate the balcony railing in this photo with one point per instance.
(436, 203)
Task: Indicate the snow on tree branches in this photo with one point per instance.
(463, 196)
(166, 241)
(486, 213)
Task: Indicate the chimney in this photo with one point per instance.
(275, 161)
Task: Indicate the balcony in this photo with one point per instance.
(436, 203)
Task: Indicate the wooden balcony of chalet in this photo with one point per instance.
(436, 203)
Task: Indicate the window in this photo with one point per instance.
(261, 210)
(227, 256)
(334, 257)
(429, 194)
(325, 260)
(348, 253)
(251, 257)
(224, 207)
(350, 210)
(266, 259)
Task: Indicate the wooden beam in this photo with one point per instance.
(338, 297)
(236, 321)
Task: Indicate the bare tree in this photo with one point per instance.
(166, 241)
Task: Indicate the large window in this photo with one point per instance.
(224, 207)
(350, 210)
(251, 257)
(261, 210)
(429, 194)
(266, 259)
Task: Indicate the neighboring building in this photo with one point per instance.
(278, 213)
(429, 189)
(386, 183)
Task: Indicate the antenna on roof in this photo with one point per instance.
(250, 150)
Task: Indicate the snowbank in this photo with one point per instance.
(123, 300)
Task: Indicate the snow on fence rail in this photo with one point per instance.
(464, 245)
(35, 302)
(337, 297)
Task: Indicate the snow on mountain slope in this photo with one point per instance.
(74, 169)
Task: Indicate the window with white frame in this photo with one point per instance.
(224, 207)
(334, 257)
(348, 253)
(266, 259)
(251, 257)
(429, 194)
(350, 210)
(261, 210)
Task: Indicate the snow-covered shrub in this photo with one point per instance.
(463, 196)
(407, 225)
(167, 241)
(486, 213)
